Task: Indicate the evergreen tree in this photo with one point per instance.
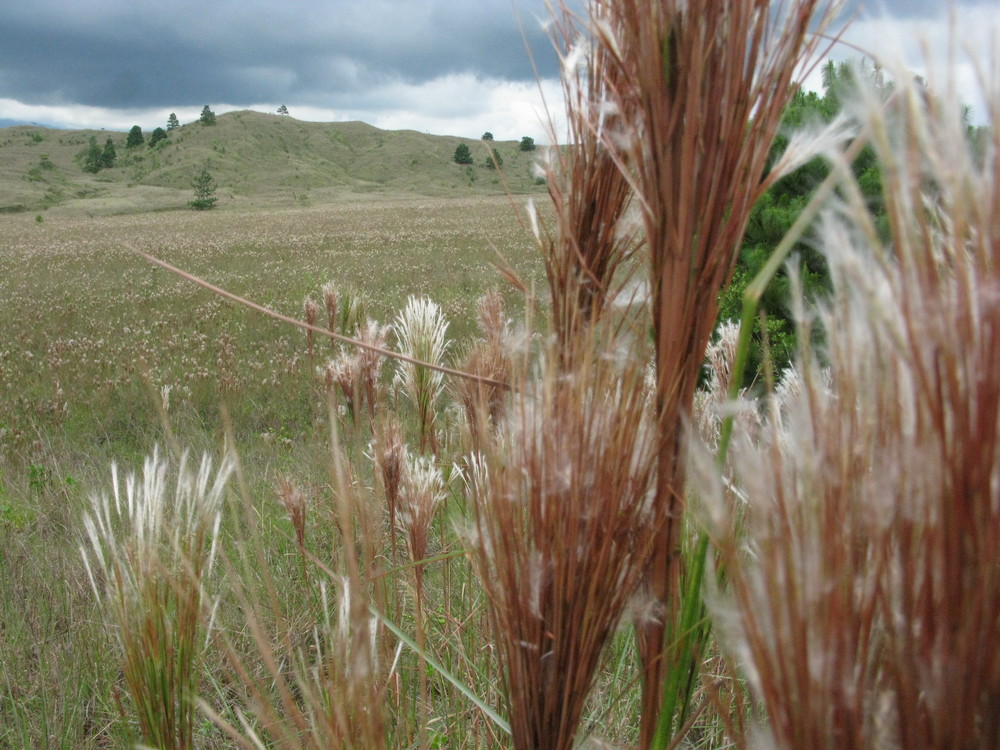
(463, 154)
(108, 155)
(135, 137)
(207, 116)
(156, 136)
(779, 207)
(487, 136)
(204, 191)
(172, 122)
(282, 110)
(494, 160)
(92, 159)
(527, 144)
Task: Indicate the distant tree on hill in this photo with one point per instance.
(135, 137)
(487, 136)
(282, 110)
(172, 122)
(527, 144)
(92, 158)
(207, 116)
(494, 160)
(108, 155)
(204, 191)
(463, 154)
(156, 136)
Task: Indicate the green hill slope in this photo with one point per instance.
(256, 159)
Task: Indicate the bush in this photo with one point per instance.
(494, 160)
(463, 154)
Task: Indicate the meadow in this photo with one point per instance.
(497, 479)
(102, 349)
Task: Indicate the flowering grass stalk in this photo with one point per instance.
(150, 547)
(700, 87)
(563, 526)
(863, 587)
(421, 330)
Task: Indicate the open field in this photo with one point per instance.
(96, 340)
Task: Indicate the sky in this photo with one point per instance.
(447, 67)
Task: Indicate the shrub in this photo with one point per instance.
(463, 154)
(494, 160)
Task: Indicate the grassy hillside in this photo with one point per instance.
(256, 159)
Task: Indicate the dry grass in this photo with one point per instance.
(863, 590)
(563, 526)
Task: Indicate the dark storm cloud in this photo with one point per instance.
(115, 53)
(363, 57)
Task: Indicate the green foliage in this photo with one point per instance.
(527, 144)
(92, 157)
(463, 154)
(108, 155)
(204, 191)
(172, 122)
(487, 136)
(494, 160)
(135, 137)
(207, 116)
(778, 209)
(282, 110)
(156, 136)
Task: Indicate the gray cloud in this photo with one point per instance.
(386, 60)
(129, 54)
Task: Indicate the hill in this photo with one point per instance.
(256, 159)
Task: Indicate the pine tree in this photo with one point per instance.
(207, 116)
(494, 160)
(463, 154)
(156, 136)
(135, 137)
(92, 159)
(204, 191)
(172, 122)
(108, 155)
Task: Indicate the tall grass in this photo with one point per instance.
(149, 556)
(855, 595)
(863, 592)
(680, 107)
(563, 526)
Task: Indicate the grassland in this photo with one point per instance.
(96, 341)
(258, 160)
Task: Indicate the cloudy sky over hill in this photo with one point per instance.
(455, 67)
